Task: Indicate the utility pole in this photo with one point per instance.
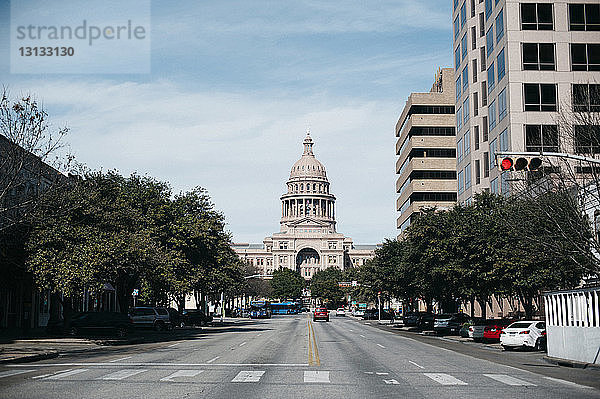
(379, 304)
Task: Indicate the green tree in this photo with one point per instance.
(324, 285)
(287, 283)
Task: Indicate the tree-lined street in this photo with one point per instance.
(292, 357)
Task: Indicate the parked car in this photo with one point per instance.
(492, 331)
(340, 312)
(449, 323)
(175, 317)
(358, 313)
(321, 314)
(425, 321)
(102, 323)
(466, 328)
(411, 319)
(151, 317)
(196, 317)
(373, 314)
(478, 328)
(524, 334)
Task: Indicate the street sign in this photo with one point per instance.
(354, 283)
(135, 292)
(345, 283)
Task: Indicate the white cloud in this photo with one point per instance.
(238, 146)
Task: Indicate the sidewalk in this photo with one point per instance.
(31, 350)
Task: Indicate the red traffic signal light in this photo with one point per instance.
(521, 163)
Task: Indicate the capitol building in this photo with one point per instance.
(307, 240)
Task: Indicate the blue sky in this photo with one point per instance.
(233, 87)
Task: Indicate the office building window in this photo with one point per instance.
(459, 118)
(477, 172)
(540, 138)
(503, 140)
(473, 38)
(472, 8)
(492, 115)
(586, 97)
(467, 143)
(493, 145)
(502, 104)
(464, 44)
(476, 137)
(540, 97)
(467, 176)
(463, 14)
(488, 9)
(484, 126)
(494, 186)
(465, 78)
(456, 28)
(474, 68)
(538, 57)
(475, 104)
(458, 87)
(587, 139)
(457, 57)
(482, 57)
(489, 41)
(499, 26)
(483, 93)
(491, 78)
(585, 57)
(481, 25)
(455, 4)
(486, 164)
(584, 17)
(461, 182)
(466, 113)
(500, 65)
(536, 16)
(459, 150)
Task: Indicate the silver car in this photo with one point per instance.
(151, 317)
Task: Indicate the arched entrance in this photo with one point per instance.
(307, 262)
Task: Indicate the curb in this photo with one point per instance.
(31, 358)
(571, 363)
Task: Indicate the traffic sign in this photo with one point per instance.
(135, 292)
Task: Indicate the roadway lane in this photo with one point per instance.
(284, 357)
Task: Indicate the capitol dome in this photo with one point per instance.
(308, 166)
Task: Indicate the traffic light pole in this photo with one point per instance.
(547, 154)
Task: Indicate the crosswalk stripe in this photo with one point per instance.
(248, 376)
(509, 380)
(316, 376)
(9, 373)
(182, 373)
(445, 379)
(122, 374)
(64, 374)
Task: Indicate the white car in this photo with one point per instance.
(340, 312)
(358, 313)
(524, 334)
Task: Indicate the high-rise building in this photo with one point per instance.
(426, 150)
(307, 241)
(518, 65)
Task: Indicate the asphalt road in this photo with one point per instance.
(284, 357)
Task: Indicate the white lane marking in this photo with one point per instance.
(445, 379)
(65, 374)
(122, 374)
(243, 343)
(565, 382)
(382, 373)
(381, 346)
(391, 382)
(213, 359)
(182, 373)
(509, 380)
(316, 376)
(369, 372)
(415, 364)
(248, 376)
(259, 335)
(9, 373)
(147, 364)
(170, 346)
(350, 330)
(362, 336)
(118, 360)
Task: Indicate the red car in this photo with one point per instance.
(321, 314)
(492, 331)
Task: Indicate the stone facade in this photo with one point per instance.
(307, 240)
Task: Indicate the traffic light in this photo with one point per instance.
(521, 163)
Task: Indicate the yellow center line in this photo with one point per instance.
(313, 349)
(310, 349)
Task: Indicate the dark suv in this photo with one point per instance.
(156, 318)
(195, 317)
(102, 323)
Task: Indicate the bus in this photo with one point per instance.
(260, 310)
(286, 308)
